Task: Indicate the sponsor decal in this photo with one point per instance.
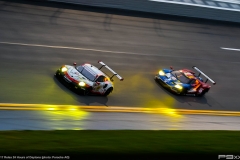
(97, 86)
(200, 90)
(168, 75)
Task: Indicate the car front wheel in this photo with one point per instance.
(183, 92)
(57, 74)
(87, 91)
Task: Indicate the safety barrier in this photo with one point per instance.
(230, 12)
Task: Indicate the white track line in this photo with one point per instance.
(103, 51)
(82, 49)
(63, 47)
(86, 49)
(231, 49)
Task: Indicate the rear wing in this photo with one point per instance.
(200, 72)
(114, 73)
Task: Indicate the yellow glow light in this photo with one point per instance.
(64, 69)
(171, 112)
(77, 129)
(82, 84)
(72, 109)
(51, 109)
(178, 86)
(161, 73)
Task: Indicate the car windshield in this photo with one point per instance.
(86, 73)
(180, 76)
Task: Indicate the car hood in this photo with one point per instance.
(171, 80)
(75, 75)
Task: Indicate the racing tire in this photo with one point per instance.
(87, 91)
(202, 94)
(109, 90)
(183, 92)
(57, 74)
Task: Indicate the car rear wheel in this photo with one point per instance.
(109, 90)
(202, 94)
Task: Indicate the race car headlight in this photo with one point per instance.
(161, 73)
(82, 84)
(64, 69)
(178, 86)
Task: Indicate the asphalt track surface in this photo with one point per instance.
(82, 120)
(36, 38)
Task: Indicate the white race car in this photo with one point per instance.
(87, 78)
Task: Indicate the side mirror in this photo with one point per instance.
(75, 64)
(171, 67)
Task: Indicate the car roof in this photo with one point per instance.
(182, 77)
(94, 70)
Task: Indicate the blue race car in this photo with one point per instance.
(184, 81)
